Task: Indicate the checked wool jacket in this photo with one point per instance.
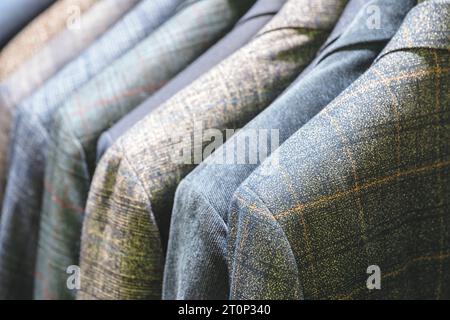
(365, 182)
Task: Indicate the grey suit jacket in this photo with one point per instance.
(362, 189)
(197, 244)
(261, 12)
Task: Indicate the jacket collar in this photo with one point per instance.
(350, 11)
(262, 7)
(426, 26)
(306, 14)
(361, 29)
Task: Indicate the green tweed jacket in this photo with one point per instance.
(96, 106)
(356, 204)
(128, 213)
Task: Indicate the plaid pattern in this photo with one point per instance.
(365, 182)
(129, 206)
(196, 255)
(94, 108)
(37, 34)
(43, 64)
(22, 205)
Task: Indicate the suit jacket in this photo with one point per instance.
(361, 193)
(16, 14)
(47, 61)
(261, 12)
(129, 207)
(20, 217)
(94, 108)
(196, 256)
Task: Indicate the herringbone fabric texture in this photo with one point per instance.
(198, 232)
(98, 105)
(128, 213)
(365, 182)
(38, 33)
(21, 210)
(43, 64)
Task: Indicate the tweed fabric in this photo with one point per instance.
(198, 232)
(16, 14)
(126, 228)
(45, 63)
(365, 182)
(98, 105)
(19, 222)
(38, 33)
(247, 27)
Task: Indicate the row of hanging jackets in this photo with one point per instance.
(225, 149)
